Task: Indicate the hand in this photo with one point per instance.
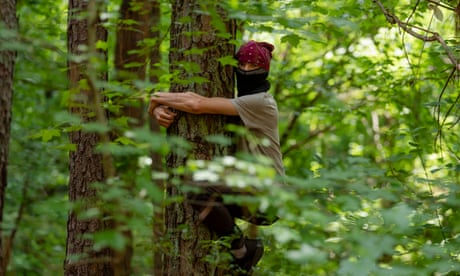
(163, 115)
(152, 105)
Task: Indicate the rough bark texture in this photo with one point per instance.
(196, 32)
(85, 165)
(7, 61)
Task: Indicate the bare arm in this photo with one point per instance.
(193, 103)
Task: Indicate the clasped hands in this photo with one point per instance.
(162, 113)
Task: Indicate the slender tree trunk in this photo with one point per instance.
(134, 55)
(86, 166)
(196, 32)
(133, 30)
(7, 61)
(157, 161)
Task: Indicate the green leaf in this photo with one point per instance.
(95, 127)
(292, 39)
(109, 238)
(398, 218)
(219, 139)
(47, 134)
(103, 45)
(228, 60)
(125, 140)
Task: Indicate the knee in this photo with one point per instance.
(199, 202)
(202, 199)
(264, 220)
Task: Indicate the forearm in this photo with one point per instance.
(188, 101)
(196, 104)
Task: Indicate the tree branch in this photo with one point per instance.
(393, 19)
(8, 247)
(309, 138)
(437, 3)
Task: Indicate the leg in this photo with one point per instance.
(255, 217)
(214, 214)
(220, 218)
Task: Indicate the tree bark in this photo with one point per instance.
(136, 18)
(157, 162)
(7, 62)
(134, 57)
(86, 167)
(192, 29)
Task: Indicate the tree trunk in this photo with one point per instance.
(7, 61)
(134, 56)
(157, 162)
(193, 29)
(134, 28)
(86, 166)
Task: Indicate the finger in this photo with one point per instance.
(167, 116)
(170, 112)
(165, 124)
(166, 120)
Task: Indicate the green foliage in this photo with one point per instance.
(368, 126)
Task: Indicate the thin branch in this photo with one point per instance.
(408, 28)
(290, 126)
(309, 138)
(292, 123)
(441, 5)
(438, 110)
(457, 99)
(8, 247)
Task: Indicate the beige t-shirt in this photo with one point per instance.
(259, 114)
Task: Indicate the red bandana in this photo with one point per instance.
(257, 53)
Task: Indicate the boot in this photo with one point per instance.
(255, 250)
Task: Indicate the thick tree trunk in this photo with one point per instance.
(7, 61)
(86, 167)
(192, 29)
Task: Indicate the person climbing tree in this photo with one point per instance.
(258, 112)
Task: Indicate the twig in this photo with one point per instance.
(438, 110)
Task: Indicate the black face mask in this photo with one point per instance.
(252, 81)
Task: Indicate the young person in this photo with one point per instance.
(259, 114)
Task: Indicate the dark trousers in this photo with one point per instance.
(221, 218)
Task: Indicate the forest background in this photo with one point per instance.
(368, 98)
